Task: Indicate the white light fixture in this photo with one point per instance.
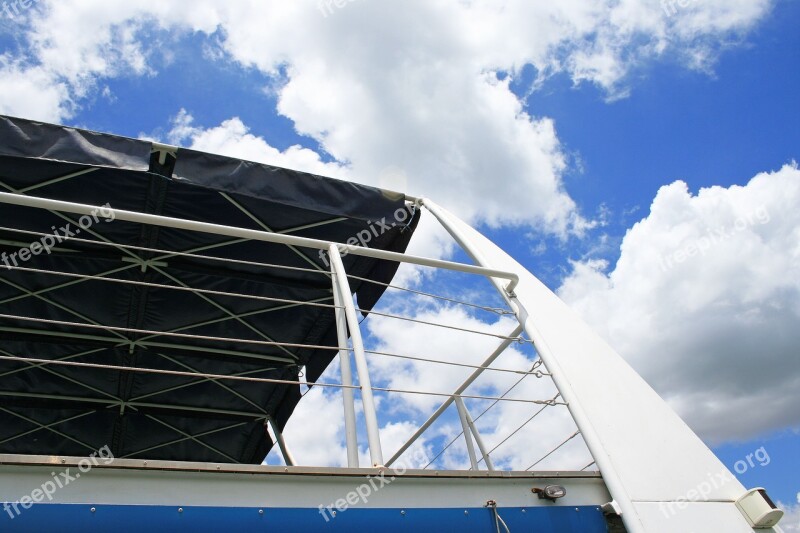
(758, 509)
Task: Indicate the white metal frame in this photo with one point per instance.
(638, 467)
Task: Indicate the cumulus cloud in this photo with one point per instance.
(233, 138)
(418, 98)
(408, 91)
(705, 302)
(791, 520)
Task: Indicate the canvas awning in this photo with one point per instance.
(46, 314)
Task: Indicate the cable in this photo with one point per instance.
(490, 452)
(255, 342)
(249, 379)
(446, 326)
(536, 365)
(491, 504)
(551, 452)
(174, 287)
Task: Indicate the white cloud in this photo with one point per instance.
(30, 92)
(233, 138)
(409, 88)
(705, 303)
(408, 97)
(790, 523)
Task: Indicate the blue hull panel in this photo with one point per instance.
(121, 518)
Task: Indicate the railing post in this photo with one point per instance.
(367, 399)
(464, 386)
(287, 456)
(348, 395)
(462, 414)
(478, 440)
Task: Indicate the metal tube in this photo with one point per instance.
(590, 437)
(287, 456)
(478, 440)
(462, 414)
(367, 399)
(348, 396)
(256, 235)
(464, 386)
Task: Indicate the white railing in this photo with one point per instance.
(346, 314)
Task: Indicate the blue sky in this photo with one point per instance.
(597, 113)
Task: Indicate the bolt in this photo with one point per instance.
(63, 461)
(93, 509)
(261, 511)
(403, 512)
(466, 512)
(180, 509)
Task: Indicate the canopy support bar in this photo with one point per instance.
(462, 414)
(288, 458)
(347, 373)
(478, 438)
(367, 399)
(256, 235)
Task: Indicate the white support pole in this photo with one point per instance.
(464, 386)
(590, 437)
(367, 399)
(288, 458)
(462, 414)
(479, 440)
(348, 395)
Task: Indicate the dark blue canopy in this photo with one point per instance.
(60, 410)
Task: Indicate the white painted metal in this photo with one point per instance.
(645, 452)
(367, 399)
(256, 235)
(462, 414)
(225, 485)
(650, 460)
(288, 458)
(350, 429)
(447, 403)
(478, 439)
(716, 517)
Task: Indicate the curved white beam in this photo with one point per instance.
(647, 454)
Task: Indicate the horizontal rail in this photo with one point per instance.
(167, 254)
(256, 235)
(104, 279)
(272, 470)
